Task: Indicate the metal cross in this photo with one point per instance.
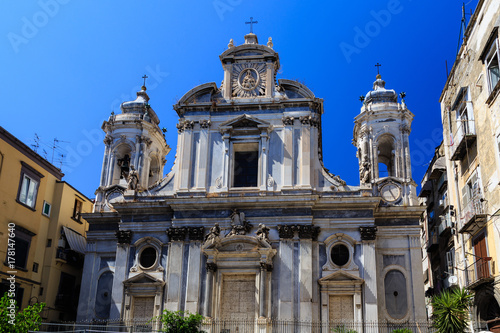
(378, 67)
(252, 22)
(145, 77)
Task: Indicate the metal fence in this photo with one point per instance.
(245, 326)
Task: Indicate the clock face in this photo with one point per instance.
(390, 192)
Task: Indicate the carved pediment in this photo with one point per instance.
(245, 122)
(341, 277)
(143, 278)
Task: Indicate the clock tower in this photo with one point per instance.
(381, 134)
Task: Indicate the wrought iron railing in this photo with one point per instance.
(465, 129)
(473, 208)
(246, 326)
(479, 271)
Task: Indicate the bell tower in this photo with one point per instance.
(134, 145)
(381, 134)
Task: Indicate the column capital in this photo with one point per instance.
(124, 236)
(368, 233)
(211, 266)
(177, 234)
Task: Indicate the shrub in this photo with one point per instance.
(180, 322)
(451, 310)
(14, 321)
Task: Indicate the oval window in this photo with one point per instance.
(340, 254)
(148, 257)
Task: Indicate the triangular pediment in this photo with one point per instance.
(340, 277)
(142, 278)
(244, 121)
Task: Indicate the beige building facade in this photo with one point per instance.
(470, 105)
(42, 233)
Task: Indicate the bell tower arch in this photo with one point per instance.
(381, 135)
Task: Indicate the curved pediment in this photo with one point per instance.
(248, 50)
(295, 89)
(199, 94)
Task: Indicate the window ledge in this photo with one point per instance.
(16, 267)
(25, 205)
(493, 95)
(79, 221)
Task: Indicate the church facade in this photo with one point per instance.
(249, 224)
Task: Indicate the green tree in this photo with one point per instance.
(180, 322)
(450, 310)
(14, 321)
(402, 330)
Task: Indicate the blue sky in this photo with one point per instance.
(66, 64)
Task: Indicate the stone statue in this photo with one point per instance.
(248, 81)
(124, 164)
(231, 44)
(239, 225)
(270, 42)
(133, 179)
(262, 233)
(364, 171)
(213, 235)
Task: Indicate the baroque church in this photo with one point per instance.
(249, 224)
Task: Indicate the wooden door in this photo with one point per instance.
(482, 265)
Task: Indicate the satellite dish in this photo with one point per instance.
(452, 280)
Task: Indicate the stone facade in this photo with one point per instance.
(471, 132)
(249, 223)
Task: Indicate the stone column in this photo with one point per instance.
(263, 160)
(368, 239)
(227, 80)
(111, 167)
(288, 152)
(211, 269)
(174, 274)
(225, 171)
(185, 165)
(285, 297)
(193, 270)
(124, 237)
(269, 78)
(305, 152)
(86, 304)
(417, 279)
(105, 161)
(201, 173)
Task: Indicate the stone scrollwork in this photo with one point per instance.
(195, 233)
(177, 234)
(205, 123)
(368, 233)
(124, 236)
(287, 120)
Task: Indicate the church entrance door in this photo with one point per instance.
(341, 308)
(238, 297)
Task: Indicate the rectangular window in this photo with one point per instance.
(46, 209)
(77, 210)
(22, 241)
(245, 164)
(492, 68)
(35, 267)
(66, 290)
(28, 192)
(28, 186)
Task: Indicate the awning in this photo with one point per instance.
(426, 189)
(76, 241)
(438, 168)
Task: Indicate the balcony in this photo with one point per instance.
(445, 226)
(464, 137)
(474, 216)
(433, 242)
(479, 273)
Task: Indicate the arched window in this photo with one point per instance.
(386, 165)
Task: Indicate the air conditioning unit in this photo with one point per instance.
(441, 203)
(452, 280)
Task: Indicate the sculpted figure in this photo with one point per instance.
(124, 164)
(213, 235)
(239, 225)
(262, 232)
(133, 179)
(248, 81)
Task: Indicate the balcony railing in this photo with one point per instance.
(433, 242)
(479, 272)
(473, 215)
(445, 225)
(464, 137)
(247, 326)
